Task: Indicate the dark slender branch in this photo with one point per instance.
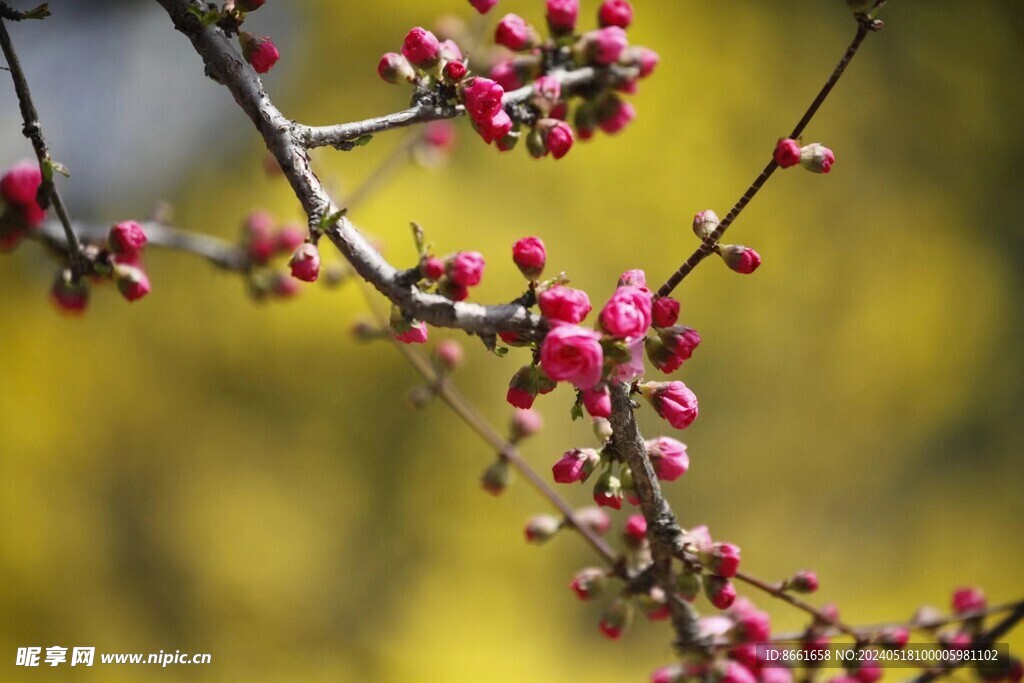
(776, 591)
(864, 26)
(983, 640)
(34, 132)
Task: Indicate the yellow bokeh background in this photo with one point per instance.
(199, 472)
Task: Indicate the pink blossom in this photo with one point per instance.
(598, 402)
(393, 68)
(483, 6)
(636, 526)
(421, 48)
(775, 674)
(558, 139)
(495, 128)
(455, 71)
(514, 33)
(132, 282)
(305, 263)
(285, 287)
(466, 268)
(634, 278)
(505, 74)
(672, 401)
(525, 423)
(803, 582)
(522, 388)
(127, 238)
(868, 672)
(593, 518)
(634, 367)
(289, 238)
(615, 13)
(668, 457)
(664, 311)
(548, 89)
(741, 259)
(608, 44)
(432, 268)
(562, 15)
(483, 98)
(564, 304)
(720, 591)
(574, 354)
(449, 354)
(259, 51)
(589, 582)
(416, 334)
(968, 599)
(648, 61)
(627, 314)
(787, 153)
(575, 465)
(530, 256)
(751, 624)
(21, 183)
(616, 117)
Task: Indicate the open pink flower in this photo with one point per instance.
(573, 354)
(564, 304)
(627, 314)
(668, 457)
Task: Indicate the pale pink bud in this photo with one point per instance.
(608, 44)
(634, 278)
(284, 287)
(668, 457)
(817, 158)
(741, 259)
(664, 312)
(542, 529)
(258, 236)
(132, 282)
(514, 33)
(615, 13)
(598, 401)
(483, 6)
(259, 51)
(530, 256)
(564, 304)
(628, 313)
(393, 68)
(648, 61)
(593, 518)
(451, 51)
(562, 15)
(466, 268)
(705, 223)
(720, 591)
(573, 354)
(505, 74)
(803, 582)
(548, 89)
(449, 354)
(787, 153)
(289, 238)
(525, 423)
(575, 465)
(967, 600)
(672, 347)
(421, 48)
(672, 401)
(127, 239)
(305, 263)
(589, 583)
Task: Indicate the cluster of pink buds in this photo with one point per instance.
(432, 65)
(814, 157)
(453, 275)
(19, 207)
(264, 243)
(737, 257)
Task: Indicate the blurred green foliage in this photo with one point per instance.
(201, 473)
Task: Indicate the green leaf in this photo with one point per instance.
(577, 409)
(329, 219)
(40, 12)
(362, 141)
(420, 240)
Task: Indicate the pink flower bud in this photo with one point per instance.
(514, 33)
(608, 491)
(671, 347)
(967, 600)
(616, 617)
(751, 624)
(668, 457)
(722, 559)
(589, 583)
(415, 334)
(615, 13)
(627, 314)
(541, 529)
(505, 74)
(127, 239)
(483, 6)
(664, 312)
(740, 259)
(564, 304)
(615, 116)
(284, 287)
(803, 582)
(449, 354)
(648, 61)
(593, 518)
(259, 51)
(557, 137)
(705, 223)
(421, 48)
(522, 388)
(547, 89)
(483, 99)
(575, 465)
(496, 477)
(305, 263)
(496, 128)
(868, 672)
(787, 153)
(450, 51)
(68, 297)
(289, 238)
(607, 45)
(636, 527)
(896, 638)
(688, 585)
(817, 158)
(393, 68)
(525, 423)
(455, 71)
(466, 268)
(20, 184)
(562, 15)
(602, 429)
(598, 401)
(573, 354)
(530, 256)
(672, 401)
(258, 236)
(720, 591)
(432, 268)
(131, 281)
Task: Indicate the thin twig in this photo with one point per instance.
(707, 247)
(34, 132)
